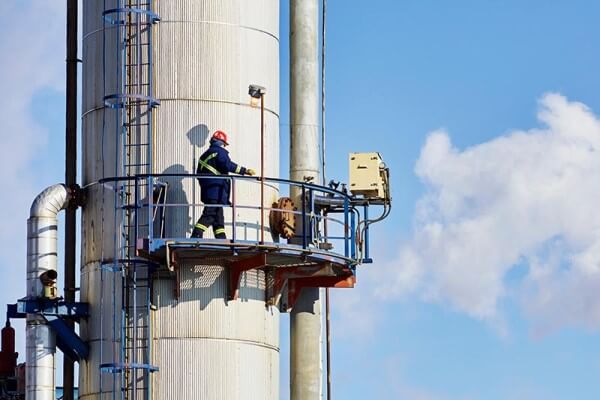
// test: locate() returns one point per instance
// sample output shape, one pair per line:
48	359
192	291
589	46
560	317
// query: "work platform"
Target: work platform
320	245
288	267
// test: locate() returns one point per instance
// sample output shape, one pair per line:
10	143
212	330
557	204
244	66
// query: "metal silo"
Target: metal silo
204	54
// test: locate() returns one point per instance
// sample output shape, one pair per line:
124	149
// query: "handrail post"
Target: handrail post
136	209
150	190
262	168
352	235
233	211
303	216
365	237
311	204
346	247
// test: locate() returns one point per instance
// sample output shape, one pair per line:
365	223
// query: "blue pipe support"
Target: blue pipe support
366	257
50	308
353	235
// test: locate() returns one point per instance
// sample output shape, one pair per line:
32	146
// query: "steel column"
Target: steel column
305	318
70	180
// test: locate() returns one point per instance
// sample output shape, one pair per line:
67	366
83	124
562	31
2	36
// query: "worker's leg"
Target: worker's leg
206	220
219	224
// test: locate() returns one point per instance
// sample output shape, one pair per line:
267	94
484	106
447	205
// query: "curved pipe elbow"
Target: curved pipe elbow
51	201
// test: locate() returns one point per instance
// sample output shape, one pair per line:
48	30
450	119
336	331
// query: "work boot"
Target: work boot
220	233
199	230
197	233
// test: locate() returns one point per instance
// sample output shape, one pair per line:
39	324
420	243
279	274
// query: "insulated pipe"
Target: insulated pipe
42	227
305	318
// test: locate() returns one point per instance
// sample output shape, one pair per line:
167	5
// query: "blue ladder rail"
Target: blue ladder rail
132	104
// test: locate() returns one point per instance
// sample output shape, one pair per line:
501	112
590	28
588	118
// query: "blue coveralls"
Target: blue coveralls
214	162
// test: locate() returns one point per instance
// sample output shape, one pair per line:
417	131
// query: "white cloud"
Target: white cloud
33	53
527	198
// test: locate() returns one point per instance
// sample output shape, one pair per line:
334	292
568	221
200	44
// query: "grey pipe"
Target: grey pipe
305	318
42	230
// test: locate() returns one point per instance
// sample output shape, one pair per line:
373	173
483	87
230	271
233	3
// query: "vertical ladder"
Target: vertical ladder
133	103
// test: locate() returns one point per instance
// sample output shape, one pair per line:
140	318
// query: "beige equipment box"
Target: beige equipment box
368	175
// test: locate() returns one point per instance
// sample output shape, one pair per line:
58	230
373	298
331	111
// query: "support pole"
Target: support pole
305	318
262	169
328	335
70	180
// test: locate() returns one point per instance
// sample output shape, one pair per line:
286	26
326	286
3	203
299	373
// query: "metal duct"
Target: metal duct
42	229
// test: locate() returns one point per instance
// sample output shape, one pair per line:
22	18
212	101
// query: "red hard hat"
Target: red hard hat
220	135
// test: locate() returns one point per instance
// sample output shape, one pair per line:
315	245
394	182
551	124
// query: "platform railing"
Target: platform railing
341	219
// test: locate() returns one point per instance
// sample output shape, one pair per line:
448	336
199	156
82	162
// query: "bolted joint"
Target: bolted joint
77	196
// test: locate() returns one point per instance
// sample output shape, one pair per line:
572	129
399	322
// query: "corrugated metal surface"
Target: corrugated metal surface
206	53
203	312
216	369
101	289
209	348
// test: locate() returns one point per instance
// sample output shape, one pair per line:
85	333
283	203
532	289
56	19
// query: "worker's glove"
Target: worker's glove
250	171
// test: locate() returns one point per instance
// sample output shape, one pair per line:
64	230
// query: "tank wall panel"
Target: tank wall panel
202	310
206	53
216	369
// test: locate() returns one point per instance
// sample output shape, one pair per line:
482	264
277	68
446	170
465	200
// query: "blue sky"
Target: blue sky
486	273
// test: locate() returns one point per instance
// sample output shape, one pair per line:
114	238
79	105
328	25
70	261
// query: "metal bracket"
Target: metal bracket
295	286
116	368
67	340
296	278
78	197
56	313
236	269
49	308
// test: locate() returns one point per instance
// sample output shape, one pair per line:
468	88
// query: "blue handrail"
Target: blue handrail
306	212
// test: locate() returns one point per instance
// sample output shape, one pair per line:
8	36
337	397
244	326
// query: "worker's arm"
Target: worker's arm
225	164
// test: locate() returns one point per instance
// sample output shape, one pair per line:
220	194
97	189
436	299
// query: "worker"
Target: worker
215	191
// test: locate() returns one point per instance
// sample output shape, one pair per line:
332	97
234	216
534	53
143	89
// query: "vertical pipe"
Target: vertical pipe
328	346
305	318
42	255
323	133
365	237
70	179
323	160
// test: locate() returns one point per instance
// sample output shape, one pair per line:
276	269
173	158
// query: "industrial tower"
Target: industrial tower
161	315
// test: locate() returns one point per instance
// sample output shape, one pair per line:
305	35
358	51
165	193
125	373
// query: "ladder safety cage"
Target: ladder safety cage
131	100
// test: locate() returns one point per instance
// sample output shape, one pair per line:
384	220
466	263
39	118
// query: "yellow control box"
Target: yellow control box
367	175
